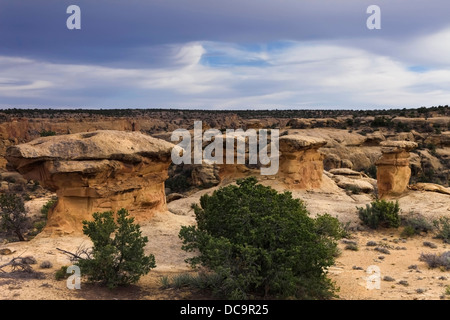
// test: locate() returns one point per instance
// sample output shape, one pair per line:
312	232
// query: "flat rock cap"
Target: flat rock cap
96	145
299	142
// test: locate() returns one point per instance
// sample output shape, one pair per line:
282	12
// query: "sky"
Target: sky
224	54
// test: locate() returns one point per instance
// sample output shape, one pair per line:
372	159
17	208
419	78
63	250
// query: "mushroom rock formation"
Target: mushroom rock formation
95	172
301	163
393	171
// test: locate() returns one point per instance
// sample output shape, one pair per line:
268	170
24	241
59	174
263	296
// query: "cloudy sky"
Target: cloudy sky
224	54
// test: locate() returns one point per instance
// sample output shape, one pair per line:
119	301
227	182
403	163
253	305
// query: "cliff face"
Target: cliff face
94	172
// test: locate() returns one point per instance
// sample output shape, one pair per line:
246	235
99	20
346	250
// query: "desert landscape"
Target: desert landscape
335	161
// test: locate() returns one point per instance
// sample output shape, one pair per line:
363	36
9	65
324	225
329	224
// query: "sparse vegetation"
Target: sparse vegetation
415	224
436	261
443	229
47	133
380	213
46	207
352	247
61	273
46	265
429	244
260	243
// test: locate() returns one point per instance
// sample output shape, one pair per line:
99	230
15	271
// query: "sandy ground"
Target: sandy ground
349	271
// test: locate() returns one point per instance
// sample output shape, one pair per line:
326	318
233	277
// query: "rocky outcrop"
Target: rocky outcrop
430	187
352	180
393	171
94	172
301	163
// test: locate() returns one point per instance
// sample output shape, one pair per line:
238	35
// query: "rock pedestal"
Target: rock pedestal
95	172
393	171
301	163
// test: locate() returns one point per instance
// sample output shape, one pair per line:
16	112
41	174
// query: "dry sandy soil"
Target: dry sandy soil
349	271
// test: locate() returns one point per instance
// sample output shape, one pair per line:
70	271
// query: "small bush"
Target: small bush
429	244
408	231
447	291
443	229
414	224
382	250
62	273
165	282
436	261
119	260
352	247
326	225
46	265
380	212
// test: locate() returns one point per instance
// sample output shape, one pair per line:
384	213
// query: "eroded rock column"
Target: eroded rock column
393	171
95	172
301	163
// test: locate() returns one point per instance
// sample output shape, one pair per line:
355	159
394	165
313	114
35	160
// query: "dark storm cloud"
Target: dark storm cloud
131	32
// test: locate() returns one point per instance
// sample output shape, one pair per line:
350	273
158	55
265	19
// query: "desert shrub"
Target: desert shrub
430	244
326	225
380	212
443	229
352	247
260	242
46	265
447	291
414	224
61	273
118	260
408	231
436	261
13	217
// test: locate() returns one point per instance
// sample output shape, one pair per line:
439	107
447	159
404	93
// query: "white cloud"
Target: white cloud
431	49
292	75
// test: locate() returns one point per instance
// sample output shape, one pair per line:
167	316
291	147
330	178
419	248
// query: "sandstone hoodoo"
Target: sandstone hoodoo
393	171
301	163
96	171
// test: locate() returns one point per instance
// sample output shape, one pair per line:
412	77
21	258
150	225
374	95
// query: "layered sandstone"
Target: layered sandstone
393	171
95	172
301	163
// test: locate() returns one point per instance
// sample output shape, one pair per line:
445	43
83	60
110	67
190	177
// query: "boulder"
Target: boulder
95	172
354	184
393	171
331	161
